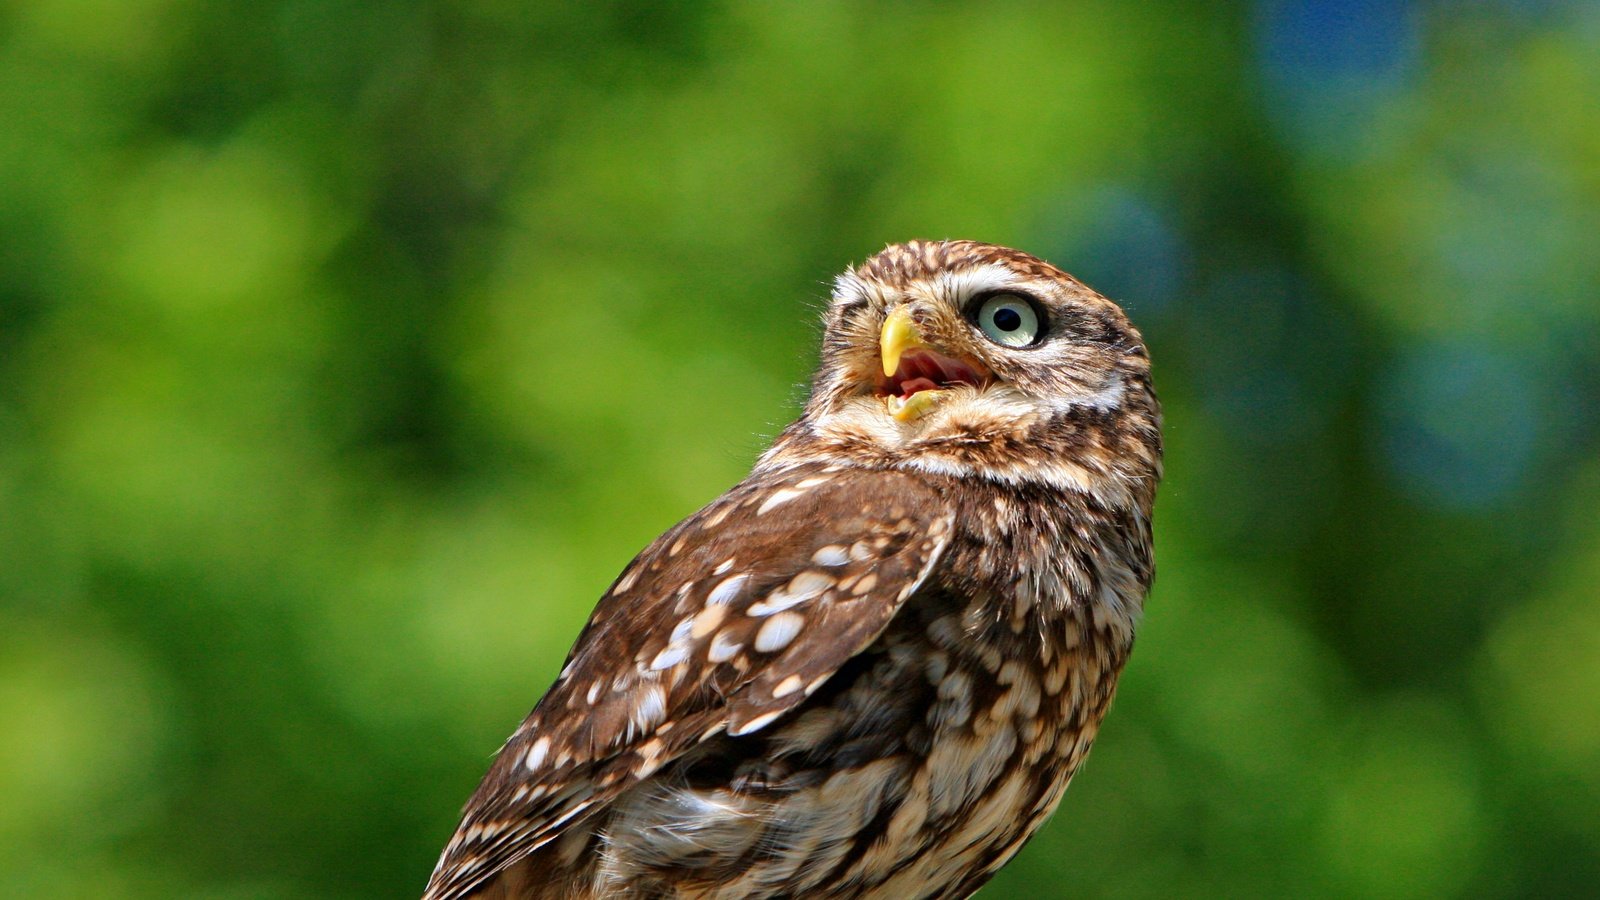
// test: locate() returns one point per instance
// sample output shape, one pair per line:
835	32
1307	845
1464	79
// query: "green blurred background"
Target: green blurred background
347	351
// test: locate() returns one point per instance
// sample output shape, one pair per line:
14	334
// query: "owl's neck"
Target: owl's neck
1106	455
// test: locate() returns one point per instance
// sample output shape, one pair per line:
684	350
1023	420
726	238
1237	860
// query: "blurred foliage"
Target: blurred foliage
347	350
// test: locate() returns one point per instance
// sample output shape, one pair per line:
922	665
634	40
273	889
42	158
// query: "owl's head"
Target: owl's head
973	359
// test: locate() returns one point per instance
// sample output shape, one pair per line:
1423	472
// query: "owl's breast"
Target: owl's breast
987	718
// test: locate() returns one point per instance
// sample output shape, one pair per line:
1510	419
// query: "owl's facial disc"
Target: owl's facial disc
914	373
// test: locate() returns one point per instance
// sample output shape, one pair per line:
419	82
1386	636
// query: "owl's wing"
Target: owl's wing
723	624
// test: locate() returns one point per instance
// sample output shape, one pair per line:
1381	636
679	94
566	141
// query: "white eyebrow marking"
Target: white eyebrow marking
963	283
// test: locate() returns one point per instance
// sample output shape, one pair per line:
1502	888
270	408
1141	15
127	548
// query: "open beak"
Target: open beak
913	372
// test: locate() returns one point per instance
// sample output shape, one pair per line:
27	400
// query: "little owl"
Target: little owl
870	669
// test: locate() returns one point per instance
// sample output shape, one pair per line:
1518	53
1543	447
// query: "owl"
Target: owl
870	669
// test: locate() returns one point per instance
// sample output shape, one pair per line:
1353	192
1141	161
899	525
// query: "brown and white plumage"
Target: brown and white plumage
869	669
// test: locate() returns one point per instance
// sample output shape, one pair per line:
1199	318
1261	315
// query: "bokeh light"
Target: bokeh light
347	351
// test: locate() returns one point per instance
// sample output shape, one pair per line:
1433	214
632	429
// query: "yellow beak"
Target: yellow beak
899	335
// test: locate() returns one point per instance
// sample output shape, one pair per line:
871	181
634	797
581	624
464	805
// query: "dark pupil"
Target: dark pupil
1007	319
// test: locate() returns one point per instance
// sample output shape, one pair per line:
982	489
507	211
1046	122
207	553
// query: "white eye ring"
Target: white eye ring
1009	320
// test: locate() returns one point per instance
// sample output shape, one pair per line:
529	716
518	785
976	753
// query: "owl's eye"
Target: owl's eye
1009	320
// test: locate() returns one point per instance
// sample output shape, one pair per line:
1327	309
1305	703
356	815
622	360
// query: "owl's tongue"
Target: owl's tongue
924	370
912	385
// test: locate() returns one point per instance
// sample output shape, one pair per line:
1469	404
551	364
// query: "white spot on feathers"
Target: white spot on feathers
802	587
681	630
626	581
787	686
649	708
707	620
537	754
778	498
727	590
831	555
724	647
778	631
810	582
666	659
756	724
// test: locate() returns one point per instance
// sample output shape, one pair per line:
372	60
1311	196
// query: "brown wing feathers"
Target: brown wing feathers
725	622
